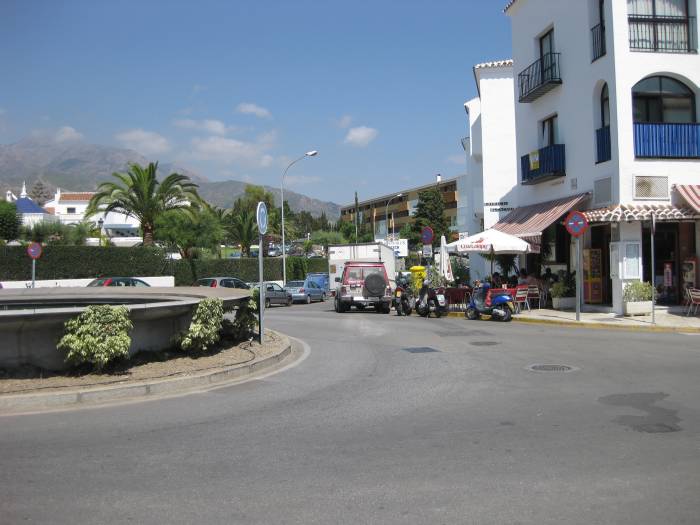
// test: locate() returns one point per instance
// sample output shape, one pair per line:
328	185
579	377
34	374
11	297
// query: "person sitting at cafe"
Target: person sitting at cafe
522	276
496	281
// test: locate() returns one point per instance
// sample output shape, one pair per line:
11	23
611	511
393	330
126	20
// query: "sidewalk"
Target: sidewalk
671	319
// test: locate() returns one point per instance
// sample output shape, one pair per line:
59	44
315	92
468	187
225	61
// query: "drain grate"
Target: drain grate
483	343
420	350
551	368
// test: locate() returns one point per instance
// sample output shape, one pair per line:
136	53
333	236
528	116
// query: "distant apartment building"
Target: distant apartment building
606	120
378	212
487	189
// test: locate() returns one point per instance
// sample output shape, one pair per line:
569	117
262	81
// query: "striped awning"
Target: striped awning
528	222
641	212
691	194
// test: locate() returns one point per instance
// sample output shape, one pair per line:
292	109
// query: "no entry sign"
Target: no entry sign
34	250
576	223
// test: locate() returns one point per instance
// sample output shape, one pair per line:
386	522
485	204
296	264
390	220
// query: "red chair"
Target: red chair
520	298
533	294
693	300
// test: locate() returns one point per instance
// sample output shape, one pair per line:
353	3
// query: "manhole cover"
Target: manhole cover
420	350
483	343
551	368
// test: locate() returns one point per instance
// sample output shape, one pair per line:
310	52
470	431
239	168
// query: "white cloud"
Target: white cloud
361	136
215	127
344	121
248	108
145	142
67	134
456	159
233	151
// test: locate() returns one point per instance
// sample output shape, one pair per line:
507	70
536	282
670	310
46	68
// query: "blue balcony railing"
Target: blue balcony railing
667	141
550	162
602	144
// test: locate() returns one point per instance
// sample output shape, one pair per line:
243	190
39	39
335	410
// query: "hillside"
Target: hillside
80	166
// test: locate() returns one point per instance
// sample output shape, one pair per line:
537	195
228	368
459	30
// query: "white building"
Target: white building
606	121
30	211
487	190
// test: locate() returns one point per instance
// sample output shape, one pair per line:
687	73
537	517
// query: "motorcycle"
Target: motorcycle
432	301
403	299
501	307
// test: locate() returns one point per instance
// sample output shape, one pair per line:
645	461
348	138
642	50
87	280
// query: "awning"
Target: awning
528	222
641	212
691	194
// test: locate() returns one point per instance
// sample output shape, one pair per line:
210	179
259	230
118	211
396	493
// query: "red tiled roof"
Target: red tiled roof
691	194
641	212
77	196
52	211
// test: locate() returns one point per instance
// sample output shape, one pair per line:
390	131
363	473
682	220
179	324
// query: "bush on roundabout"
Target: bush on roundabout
97	336
205	328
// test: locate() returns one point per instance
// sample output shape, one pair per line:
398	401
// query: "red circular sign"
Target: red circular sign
34	250
426	235
576	223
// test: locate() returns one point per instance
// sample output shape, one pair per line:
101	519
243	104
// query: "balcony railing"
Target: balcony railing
667	141
549	163
539	77
598	41
667	34
602	143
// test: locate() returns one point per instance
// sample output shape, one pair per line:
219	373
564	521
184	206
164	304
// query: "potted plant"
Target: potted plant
636	298
563	295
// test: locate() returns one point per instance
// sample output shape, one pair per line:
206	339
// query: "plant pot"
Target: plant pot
564	303
637	308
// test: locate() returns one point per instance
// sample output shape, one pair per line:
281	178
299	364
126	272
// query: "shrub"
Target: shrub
10	221
205	328
98	336
637	291
243	326
565	286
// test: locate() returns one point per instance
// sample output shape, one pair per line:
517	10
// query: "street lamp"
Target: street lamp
284	247
386	215
100	223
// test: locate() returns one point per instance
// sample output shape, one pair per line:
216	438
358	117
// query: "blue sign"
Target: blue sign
426	235
262	218
34	250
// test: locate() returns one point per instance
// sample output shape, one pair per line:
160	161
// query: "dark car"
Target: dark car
275	294
223	282
118	281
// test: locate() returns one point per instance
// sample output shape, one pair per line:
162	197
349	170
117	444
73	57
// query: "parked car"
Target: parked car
274	252
363	284
305	291
117	281
321	279
223	282
275	294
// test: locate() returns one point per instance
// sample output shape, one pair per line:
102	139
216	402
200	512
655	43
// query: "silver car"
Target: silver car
305	291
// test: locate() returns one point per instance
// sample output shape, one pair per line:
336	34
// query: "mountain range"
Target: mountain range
78	166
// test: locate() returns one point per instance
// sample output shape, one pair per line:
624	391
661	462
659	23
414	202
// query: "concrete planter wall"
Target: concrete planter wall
564	303
637	308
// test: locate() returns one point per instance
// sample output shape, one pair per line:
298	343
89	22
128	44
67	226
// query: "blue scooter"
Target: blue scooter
502	306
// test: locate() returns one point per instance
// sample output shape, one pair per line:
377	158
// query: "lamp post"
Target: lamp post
100	223
284	247
386	215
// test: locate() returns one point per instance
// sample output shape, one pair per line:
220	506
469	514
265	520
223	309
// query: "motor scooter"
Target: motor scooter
403	301
501	306
432	301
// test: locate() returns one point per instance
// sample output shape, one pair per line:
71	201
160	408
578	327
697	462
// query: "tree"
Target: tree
325	238
139	194
10	221
243	230
40	193
200	229
430	211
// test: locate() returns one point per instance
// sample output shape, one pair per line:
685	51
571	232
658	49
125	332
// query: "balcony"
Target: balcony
667	141
602	144
539	78
598	40
550	164
668	34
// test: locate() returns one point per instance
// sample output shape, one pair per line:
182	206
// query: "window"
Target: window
70	210
663	100
547	56
657	8
605	106
651	187
661	26
548	132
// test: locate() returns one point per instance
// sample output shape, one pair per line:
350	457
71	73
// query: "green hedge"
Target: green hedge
78	262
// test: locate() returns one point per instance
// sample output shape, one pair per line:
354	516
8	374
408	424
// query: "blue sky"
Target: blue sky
235	89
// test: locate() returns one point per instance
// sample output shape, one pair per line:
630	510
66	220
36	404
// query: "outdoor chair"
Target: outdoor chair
520	298
533	294
694	300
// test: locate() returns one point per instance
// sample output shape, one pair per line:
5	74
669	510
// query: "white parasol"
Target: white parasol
491	242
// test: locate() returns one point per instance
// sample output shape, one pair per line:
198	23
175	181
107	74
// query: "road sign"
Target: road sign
426	235
262	218
576	223
34	250
427	251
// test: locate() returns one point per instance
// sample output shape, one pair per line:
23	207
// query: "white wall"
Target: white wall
166	281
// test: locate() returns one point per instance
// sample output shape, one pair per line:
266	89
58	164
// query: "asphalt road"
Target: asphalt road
366	431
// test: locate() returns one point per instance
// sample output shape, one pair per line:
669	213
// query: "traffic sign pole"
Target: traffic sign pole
578	278
577	224
261	217
33	273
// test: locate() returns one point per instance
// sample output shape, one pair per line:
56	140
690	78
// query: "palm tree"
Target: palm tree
243	229
139	194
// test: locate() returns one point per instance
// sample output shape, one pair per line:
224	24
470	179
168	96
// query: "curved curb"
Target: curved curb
14	404
599	325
